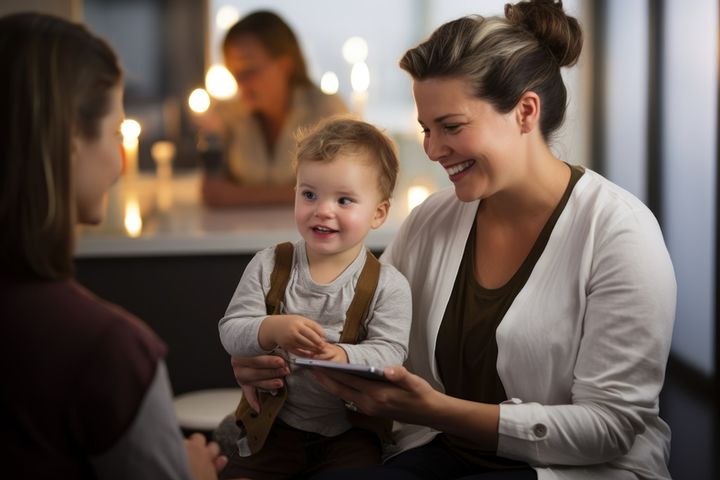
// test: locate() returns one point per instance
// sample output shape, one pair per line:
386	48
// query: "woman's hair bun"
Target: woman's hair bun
547	21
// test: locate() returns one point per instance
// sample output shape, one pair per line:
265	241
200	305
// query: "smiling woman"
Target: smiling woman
543	295
467	138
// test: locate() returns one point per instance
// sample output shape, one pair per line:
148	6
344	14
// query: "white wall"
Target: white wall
689	150
626	92
128	28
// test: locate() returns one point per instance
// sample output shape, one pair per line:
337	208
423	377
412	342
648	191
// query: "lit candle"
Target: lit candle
226	17
199	100
133	219
355	51
163	153
114	209
329	83
220	83
130	130
360	81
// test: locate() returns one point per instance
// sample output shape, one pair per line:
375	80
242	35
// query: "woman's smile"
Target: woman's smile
458	170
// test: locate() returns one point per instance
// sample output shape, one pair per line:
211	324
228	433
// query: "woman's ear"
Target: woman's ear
528	112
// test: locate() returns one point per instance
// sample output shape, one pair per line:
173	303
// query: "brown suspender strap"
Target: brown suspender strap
257	426
279	277
360	305
356	313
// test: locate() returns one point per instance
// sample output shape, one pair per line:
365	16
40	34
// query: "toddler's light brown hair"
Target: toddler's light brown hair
344	135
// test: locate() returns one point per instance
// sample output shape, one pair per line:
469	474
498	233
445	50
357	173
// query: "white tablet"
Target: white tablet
366	371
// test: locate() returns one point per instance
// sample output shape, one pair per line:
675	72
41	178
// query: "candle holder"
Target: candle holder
163	153
360	81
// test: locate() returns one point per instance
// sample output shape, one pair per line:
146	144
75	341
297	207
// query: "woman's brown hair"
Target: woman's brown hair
56	83
275	36
503	58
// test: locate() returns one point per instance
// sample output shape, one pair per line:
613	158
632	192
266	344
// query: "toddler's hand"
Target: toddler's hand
294	333
332	353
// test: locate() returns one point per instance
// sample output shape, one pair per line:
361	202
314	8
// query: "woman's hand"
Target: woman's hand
263	371
204	458
410	399
407	397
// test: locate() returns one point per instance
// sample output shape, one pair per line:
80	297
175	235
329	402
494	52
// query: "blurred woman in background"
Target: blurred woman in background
256	129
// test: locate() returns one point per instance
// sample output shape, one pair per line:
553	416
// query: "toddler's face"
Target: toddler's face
337	203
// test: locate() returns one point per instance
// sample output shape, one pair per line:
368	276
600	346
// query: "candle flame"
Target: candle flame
360	77
226	17
133	220
220	83
355	50
329	83
199	100
130	129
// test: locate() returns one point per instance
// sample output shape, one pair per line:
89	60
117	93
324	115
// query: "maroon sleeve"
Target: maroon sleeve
114	378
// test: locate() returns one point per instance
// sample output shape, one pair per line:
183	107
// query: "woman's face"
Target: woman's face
96	163
474	143
262	80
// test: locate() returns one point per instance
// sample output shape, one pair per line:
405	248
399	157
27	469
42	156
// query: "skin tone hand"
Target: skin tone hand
333	353
330	352
204	458
267	371
294	333
262	371
409	398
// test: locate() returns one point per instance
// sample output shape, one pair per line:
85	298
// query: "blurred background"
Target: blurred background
643	112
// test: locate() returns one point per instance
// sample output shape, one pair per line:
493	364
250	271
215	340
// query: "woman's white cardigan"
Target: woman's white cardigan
582	349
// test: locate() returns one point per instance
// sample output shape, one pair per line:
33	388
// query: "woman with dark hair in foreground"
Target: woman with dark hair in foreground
85	391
